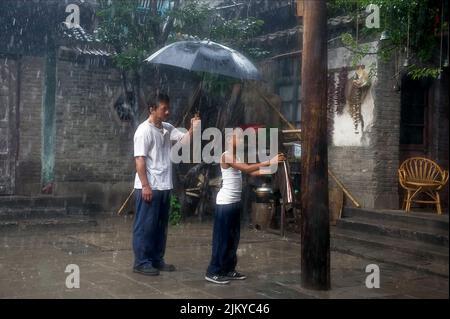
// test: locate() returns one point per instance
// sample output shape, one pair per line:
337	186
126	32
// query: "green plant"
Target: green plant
135	31
419	73
412	24
175	211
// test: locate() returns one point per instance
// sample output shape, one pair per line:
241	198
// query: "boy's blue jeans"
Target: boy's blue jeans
150	228
226	235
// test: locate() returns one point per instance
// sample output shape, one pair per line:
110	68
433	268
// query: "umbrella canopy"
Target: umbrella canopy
206	56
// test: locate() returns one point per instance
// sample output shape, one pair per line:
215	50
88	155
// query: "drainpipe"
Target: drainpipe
48	118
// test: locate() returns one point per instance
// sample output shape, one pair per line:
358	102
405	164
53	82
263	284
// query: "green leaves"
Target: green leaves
237	33
135	32
130	29
175	211
193	19
396	17
417	73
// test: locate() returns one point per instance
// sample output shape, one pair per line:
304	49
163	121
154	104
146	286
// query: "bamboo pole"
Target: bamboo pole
125	203
344	189
273	107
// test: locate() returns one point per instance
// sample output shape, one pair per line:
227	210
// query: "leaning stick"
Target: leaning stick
345	190
269	103
125	203
296	130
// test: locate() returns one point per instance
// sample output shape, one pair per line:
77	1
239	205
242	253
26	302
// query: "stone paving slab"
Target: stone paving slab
32	266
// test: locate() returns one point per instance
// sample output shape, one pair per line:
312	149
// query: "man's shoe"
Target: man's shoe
216	279
166	267
146	270
234	275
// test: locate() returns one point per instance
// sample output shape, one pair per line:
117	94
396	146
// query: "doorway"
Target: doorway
415	123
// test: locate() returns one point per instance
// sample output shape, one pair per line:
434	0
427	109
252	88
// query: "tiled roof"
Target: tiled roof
80	42
77	33
332	22
280	34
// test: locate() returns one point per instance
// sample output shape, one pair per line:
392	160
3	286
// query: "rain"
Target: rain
92	92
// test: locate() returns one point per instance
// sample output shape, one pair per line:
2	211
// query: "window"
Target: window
413	125
123	107
291	102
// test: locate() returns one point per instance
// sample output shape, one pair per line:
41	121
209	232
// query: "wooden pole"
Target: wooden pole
315	221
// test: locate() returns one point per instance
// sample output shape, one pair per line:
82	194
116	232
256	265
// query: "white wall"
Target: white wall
344	133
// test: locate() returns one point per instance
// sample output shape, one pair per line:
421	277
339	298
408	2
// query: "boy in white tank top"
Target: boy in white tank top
226	233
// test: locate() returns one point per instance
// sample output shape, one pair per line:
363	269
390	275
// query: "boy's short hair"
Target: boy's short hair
156	100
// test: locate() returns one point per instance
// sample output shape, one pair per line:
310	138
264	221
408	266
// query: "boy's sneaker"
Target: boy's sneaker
234	275
216	279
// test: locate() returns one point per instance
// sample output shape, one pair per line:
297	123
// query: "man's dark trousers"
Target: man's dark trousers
150	228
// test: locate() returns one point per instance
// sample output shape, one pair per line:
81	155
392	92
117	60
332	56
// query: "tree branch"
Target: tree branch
168	26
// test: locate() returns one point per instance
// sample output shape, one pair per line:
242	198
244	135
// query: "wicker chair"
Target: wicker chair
418	175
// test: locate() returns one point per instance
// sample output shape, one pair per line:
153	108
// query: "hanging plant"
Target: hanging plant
331	108
340	96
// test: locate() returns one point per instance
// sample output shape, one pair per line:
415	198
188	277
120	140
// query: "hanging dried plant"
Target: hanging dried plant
331	105
331	92
355	107
340	90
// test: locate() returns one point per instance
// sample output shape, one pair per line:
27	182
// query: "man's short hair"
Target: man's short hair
157	99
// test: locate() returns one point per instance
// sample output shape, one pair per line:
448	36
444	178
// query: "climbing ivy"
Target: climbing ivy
423	18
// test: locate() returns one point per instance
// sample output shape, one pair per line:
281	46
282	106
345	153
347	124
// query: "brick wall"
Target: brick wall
354	167
439	131
93	147
386	137
28	165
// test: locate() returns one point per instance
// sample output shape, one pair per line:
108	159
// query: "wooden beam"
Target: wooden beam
315	221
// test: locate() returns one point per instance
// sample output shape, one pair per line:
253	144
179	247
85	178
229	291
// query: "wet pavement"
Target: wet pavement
33	264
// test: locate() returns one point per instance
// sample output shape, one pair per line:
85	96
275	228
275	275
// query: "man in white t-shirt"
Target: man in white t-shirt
153	140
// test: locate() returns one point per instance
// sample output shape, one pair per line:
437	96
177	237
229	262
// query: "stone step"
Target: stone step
429	220
31	212
73	204
58	223
390	255
433	253
396	229
40	212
